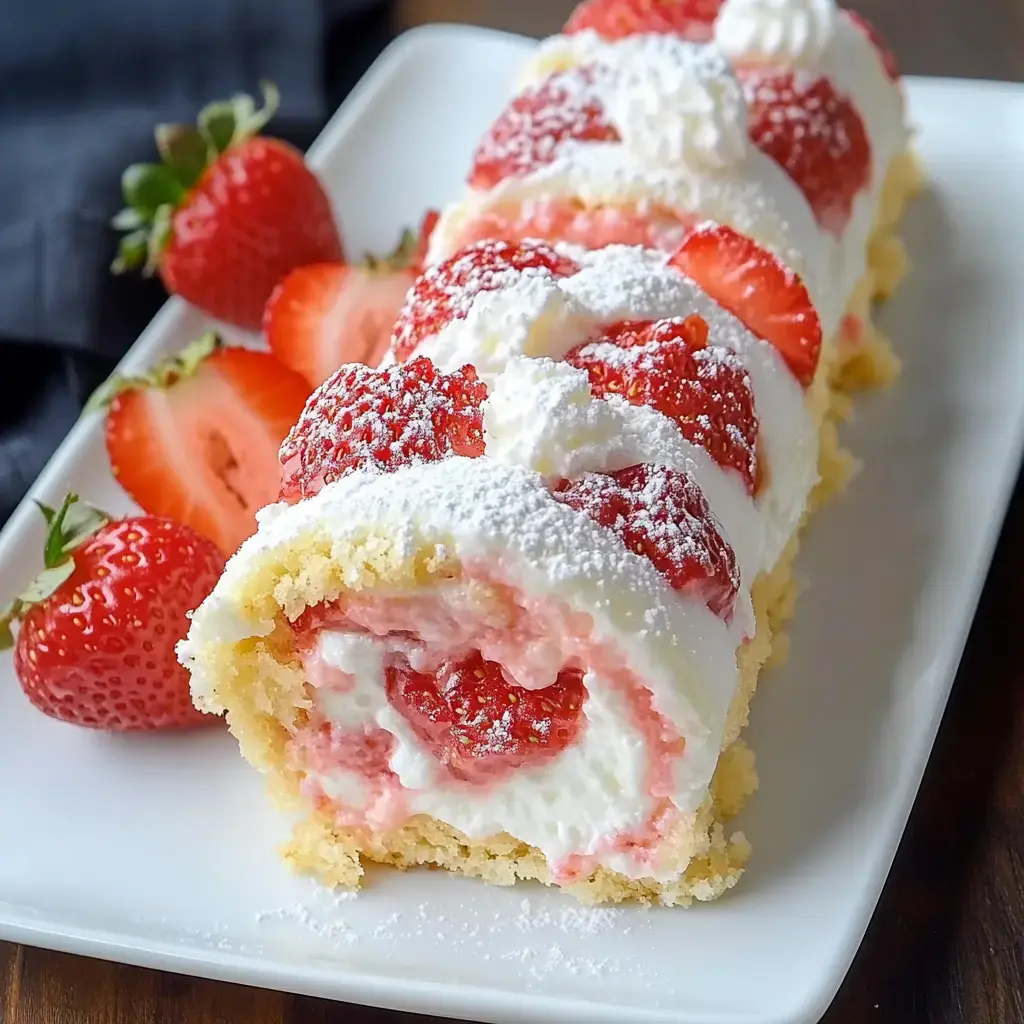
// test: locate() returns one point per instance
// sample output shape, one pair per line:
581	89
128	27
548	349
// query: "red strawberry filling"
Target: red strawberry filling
815	134
531	131
446	291
381	420
592	227
662	515
669	366
480	724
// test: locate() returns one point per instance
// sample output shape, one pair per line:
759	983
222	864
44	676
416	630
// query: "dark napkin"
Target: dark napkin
82	86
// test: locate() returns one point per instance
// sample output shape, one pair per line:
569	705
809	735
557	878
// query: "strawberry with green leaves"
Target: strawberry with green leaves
97	628
227	213
196	439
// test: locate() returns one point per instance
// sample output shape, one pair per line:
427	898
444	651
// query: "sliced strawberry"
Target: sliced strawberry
564	107
617	19
379	421
755	286
877	40
662	515
445	292
668	365
196	440
479	724
815	135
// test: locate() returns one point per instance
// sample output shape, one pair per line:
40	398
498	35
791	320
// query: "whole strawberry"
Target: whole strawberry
98	626
226	214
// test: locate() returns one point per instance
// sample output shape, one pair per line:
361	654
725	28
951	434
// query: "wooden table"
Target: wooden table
946	945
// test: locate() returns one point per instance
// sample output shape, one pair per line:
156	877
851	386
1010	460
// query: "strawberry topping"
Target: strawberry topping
892	67
479	724
381	420
618	19
815	134
537	123
446	291
757	288
668	365
662	515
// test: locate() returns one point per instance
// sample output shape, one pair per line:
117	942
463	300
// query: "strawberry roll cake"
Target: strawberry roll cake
509	614
628	128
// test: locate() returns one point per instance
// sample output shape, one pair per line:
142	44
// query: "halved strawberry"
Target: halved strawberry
617	19
445	292
757	288
662	515
380	420
529	133
815	134
481	725
196	439
226	214
669	366
892	66
327	314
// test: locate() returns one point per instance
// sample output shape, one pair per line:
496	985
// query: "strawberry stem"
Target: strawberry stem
164	374
66	529
152	192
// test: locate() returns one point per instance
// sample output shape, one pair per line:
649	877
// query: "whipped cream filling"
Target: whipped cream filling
673	102
570	805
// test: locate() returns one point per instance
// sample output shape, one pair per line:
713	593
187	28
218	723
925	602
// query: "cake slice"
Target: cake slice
511	609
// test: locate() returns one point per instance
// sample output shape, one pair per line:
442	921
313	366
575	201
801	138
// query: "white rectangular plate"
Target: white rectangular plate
160	850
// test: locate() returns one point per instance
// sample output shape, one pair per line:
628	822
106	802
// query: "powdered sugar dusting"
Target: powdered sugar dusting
539	121
663	515
376	420
816	134
448	291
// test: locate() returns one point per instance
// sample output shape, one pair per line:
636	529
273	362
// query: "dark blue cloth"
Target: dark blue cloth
82	85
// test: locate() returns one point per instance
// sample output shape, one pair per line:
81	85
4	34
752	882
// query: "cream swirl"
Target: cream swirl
676	103
784	33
